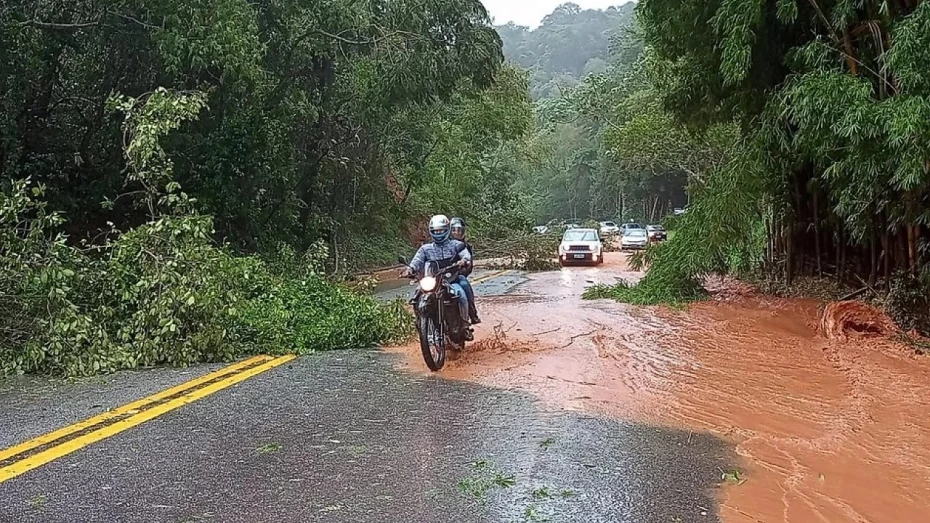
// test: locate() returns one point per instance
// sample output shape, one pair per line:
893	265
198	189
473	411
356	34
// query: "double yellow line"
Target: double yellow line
36	452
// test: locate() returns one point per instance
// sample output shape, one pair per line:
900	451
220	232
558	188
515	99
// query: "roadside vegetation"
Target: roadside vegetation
186	181
802	129
190	181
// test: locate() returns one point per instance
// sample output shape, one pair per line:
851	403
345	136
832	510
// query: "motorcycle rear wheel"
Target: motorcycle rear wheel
432	344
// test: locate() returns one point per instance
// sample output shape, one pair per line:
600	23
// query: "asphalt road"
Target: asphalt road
346	437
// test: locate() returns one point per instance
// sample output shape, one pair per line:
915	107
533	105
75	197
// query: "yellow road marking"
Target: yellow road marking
487	277
136	416
72	445
125	409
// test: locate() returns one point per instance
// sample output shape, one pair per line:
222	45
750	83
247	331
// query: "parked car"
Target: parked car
541	229
581	246
570	226
634	239
656	233
609	229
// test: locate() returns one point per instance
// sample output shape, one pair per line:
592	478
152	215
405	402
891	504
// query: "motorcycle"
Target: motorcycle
439	320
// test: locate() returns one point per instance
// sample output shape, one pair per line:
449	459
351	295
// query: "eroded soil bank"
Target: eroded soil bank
829	429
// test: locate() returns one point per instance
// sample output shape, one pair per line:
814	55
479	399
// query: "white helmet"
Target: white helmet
439	228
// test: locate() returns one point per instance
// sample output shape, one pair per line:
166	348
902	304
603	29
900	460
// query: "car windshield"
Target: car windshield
655	228
634	226
580	235
636	232
609	224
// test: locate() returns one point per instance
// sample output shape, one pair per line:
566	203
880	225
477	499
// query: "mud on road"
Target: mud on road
828	429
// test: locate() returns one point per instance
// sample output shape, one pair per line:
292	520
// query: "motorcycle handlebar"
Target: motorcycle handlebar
452	270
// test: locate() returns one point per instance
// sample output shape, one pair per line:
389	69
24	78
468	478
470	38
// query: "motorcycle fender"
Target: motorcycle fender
425	302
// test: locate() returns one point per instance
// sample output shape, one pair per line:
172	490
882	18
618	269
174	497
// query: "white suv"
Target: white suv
581	246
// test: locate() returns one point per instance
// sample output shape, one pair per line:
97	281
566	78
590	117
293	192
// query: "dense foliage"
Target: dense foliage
570	44
830	172
603	147
161	292
181	179
325	120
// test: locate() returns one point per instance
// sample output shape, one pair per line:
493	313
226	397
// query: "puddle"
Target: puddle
830	429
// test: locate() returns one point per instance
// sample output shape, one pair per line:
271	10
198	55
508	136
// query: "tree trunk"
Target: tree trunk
901	246
840	252
789	262
850	53
778	230
873	248
769	245
817	235
886	252
912	248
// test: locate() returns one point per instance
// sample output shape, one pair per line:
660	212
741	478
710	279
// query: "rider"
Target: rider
444	250
458	233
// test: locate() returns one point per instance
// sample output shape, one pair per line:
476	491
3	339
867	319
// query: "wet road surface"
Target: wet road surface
736	409
354	436
827	429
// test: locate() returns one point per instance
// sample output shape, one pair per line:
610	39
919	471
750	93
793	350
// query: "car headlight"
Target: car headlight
563	248
428	283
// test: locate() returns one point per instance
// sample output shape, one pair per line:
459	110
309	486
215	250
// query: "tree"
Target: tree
831	102
313	108
569	44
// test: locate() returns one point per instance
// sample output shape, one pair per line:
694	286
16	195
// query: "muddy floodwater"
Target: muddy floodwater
833	430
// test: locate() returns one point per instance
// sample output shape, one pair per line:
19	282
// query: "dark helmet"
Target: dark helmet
458	228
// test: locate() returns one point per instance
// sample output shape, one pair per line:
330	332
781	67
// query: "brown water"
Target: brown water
829	430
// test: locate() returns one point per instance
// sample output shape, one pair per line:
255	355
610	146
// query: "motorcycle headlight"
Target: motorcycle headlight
428	283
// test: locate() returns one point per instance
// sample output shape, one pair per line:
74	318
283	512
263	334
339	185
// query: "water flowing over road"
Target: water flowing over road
733	410
827	430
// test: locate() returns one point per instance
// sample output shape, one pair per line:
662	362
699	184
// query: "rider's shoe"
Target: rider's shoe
469	335
473	315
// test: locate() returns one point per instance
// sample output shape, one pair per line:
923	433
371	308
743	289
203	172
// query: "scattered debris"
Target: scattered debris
268	448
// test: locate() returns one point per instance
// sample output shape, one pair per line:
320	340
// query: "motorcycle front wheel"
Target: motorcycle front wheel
432	343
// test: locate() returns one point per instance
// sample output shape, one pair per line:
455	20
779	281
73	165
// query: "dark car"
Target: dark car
656	233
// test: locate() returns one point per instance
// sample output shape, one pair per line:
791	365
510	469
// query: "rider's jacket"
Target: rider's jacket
446	253
471	251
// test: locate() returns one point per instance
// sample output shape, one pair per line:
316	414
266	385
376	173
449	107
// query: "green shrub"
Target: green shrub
649	292
908	302
722	232
163	293
314	314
